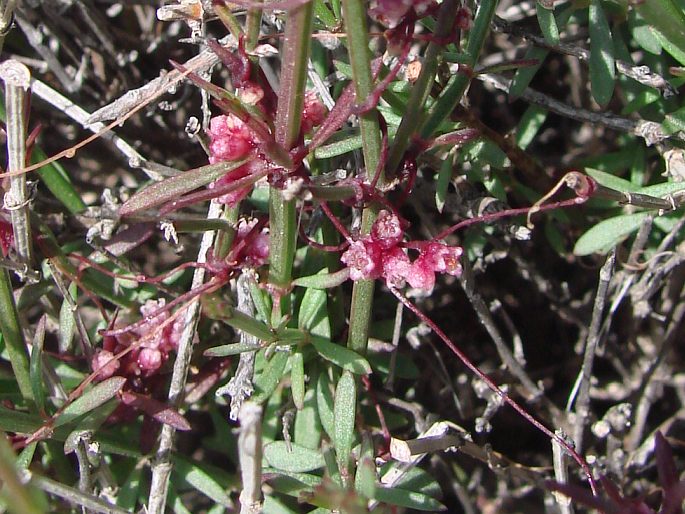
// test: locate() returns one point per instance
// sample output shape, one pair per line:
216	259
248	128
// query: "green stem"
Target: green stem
360	60
253	24
452	94
224	238
12	335
422	87
282	221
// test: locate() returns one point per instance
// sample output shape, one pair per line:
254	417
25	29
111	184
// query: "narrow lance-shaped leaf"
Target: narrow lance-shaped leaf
323	280
36	365
410	499
344	414
341	356
292	457
324	403
201	480
547	22
602	63
90	400
173	187
603	236
297	379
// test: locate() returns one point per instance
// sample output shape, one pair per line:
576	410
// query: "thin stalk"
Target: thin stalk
17	80
282	219
452	94
253	24
224	238
162	465
422	87
360	59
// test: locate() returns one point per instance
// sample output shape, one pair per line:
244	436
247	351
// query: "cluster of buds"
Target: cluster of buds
230	139
146	359
391	12
382	254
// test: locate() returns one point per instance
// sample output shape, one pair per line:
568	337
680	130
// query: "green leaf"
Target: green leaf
662	190
273	506
408	499
339	144
67	322
261	300
524	75
365	479
530	124
202	480
297	378
324	403
341	356
674	121
172	188
642	33
344	412
602	64
36	365
548	24
608	233
323	13
130	490
16	421
292	457
667	19
612	181
268	380
91	400
323	280
312	308
307	430
230	349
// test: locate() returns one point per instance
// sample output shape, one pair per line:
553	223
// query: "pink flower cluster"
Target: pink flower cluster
230	139
380	255
251	245
146	359
391	12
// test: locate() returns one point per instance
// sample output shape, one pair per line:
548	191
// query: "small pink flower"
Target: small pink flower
396	267
442	258
103	359
389	12
314	111
421	274
256	252
387	229
149	360
230	138
364	260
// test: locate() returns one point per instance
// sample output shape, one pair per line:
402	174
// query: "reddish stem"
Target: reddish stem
495	389
508	213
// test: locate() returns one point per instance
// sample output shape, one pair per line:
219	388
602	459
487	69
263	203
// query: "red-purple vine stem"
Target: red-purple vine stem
494	388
